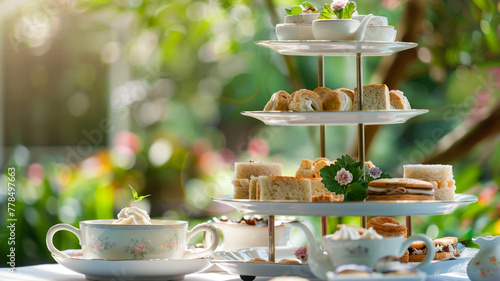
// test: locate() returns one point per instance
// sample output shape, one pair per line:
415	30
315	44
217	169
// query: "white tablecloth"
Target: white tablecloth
56	272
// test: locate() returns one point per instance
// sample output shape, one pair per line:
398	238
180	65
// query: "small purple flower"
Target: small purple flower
375	172
343	177
338	4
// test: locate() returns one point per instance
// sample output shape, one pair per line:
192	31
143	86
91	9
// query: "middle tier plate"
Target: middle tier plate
369	208
293	118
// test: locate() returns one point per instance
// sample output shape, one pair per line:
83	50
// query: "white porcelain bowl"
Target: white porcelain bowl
380	33
375	21
302	18
294	31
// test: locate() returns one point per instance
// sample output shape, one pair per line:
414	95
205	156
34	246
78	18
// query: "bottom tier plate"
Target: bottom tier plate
236	262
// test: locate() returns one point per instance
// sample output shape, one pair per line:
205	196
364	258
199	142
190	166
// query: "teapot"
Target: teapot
340	29
365	252
485	265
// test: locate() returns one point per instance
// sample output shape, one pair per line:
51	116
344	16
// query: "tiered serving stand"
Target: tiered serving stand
319	49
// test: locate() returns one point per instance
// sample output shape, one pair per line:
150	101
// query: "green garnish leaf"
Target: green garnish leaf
355	192
296	10
137	198
309	5
288	11
324	16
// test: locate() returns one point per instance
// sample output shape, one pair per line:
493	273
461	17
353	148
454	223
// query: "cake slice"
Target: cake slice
375	97
284	188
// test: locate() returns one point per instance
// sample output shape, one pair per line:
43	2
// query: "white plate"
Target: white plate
95	269
453	265
291	118
377	277
233	262
335	48
369	208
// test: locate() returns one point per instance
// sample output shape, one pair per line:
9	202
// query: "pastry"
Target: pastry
332	197
441	176
288	261
301	254
445	248
279	102
305	169
337	101
398	100
284	188
257	260
400	189
375	97
305	100
387	225
349	92
353	270
322	92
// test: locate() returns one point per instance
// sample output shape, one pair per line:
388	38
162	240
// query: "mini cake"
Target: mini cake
305	100
375	97
243	174
279	102
400	189
284	188
441	176
398	100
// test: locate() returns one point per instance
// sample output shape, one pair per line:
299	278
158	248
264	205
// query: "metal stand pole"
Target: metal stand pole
361	127
322	145
272	240
409	226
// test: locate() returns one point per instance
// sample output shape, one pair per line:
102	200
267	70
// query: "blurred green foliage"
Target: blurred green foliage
199	67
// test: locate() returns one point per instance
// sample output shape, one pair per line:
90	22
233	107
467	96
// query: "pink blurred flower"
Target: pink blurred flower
344	177
487	194
35	173
128	140
258	148
338	4
391	4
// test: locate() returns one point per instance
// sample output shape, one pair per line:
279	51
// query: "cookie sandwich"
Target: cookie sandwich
400	189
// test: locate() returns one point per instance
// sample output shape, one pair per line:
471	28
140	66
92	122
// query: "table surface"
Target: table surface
56	272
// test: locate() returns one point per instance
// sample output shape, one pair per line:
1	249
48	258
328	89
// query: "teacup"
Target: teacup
255	236
380	33
294	31
163	239
375	21
368	252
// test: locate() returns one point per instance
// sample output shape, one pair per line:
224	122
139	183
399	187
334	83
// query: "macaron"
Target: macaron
400	189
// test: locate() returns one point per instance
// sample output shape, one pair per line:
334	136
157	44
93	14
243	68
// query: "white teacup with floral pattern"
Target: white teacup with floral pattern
163	239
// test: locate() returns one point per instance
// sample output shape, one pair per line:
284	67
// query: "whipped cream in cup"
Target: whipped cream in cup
370	234
133	215
345	233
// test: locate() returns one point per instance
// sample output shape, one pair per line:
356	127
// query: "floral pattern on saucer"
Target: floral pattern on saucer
100	245
139	249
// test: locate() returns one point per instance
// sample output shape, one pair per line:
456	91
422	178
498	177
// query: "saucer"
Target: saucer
97	269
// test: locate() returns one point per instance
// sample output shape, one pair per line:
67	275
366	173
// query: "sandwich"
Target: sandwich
445	247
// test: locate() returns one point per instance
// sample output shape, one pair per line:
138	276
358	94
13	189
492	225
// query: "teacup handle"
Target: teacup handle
428	243
56	228
199	228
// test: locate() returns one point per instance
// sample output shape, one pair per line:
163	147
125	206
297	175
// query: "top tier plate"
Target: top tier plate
335	48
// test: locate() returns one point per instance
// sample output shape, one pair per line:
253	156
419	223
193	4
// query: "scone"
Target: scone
322	92
279	102
305	100
337	101
398	100
400	189
441	176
